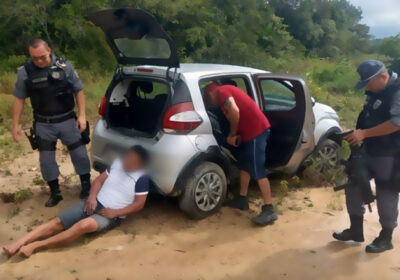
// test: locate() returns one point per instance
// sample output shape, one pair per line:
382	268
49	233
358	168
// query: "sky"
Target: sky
382	16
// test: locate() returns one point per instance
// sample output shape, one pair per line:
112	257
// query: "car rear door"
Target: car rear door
286	102
135	37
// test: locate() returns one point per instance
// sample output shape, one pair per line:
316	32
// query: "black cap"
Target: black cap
367	70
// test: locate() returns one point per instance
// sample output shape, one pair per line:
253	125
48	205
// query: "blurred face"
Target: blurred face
378	83
132	162
41	56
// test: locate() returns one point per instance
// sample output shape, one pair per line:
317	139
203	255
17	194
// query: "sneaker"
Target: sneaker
267	216
239	202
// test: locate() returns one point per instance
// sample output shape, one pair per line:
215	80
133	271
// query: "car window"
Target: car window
153	91
278	95
234	81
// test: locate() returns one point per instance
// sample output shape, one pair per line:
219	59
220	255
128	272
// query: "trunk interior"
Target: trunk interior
137	106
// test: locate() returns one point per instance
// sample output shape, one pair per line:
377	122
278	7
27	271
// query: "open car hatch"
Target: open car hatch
136	37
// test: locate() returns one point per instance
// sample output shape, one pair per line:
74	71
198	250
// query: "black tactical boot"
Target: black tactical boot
239	202
85	183
354	233
382	243
267	216
55	194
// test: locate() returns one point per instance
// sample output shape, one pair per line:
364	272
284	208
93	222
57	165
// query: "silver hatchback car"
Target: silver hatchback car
160	106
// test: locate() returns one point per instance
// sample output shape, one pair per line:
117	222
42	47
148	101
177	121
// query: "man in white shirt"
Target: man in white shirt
119	191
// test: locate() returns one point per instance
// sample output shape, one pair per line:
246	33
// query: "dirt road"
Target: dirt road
161	243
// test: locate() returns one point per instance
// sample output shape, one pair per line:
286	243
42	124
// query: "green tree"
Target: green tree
391	48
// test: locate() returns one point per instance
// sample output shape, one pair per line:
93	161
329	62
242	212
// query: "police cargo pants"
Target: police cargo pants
387	198
69	134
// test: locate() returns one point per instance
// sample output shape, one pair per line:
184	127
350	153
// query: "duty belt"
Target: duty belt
43	119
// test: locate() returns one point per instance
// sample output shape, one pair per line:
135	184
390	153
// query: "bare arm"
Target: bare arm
232	114
80	101
136	206
91	202
97	184
18	107
382	129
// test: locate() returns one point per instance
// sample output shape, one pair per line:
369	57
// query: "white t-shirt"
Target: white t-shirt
120	188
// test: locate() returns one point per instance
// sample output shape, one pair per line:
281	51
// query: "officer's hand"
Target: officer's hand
90	206
81	123
356	137
108	213
16	132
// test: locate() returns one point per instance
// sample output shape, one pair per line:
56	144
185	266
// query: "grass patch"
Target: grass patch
21	195
16	197
38	181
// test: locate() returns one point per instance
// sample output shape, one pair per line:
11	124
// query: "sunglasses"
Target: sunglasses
40	58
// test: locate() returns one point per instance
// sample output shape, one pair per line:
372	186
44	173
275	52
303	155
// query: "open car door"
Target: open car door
286	102
136	37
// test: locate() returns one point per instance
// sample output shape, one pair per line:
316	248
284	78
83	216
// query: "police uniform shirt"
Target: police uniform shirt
395	105
20	90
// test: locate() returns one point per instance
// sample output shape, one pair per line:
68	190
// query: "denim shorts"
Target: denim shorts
251	156
75	213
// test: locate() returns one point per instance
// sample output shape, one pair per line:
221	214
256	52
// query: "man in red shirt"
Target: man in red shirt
249	130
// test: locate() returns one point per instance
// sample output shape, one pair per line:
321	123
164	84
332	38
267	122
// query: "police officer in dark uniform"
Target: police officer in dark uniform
378	129
52	85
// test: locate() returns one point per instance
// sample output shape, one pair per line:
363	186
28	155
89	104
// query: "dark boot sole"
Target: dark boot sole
270	222
370	250
53	203
338	237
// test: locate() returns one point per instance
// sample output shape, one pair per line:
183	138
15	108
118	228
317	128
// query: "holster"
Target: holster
33	140
86	134
85	139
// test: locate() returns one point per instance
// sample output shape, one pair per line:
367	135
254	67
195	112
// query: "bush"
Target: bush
7	82
336	77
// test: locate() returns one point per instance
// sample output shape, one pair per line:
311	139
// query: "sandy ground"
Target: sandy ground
161	243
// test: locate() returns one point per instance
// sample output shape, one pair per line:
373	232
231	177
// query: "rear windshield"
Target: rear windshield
146	47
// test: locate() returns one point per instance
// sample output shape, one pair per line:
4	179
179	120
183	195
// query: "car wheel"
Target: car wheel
204	191
327	156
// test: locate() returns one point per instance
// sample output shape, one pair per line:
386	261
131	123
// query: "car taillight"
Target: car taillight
102	106
181	118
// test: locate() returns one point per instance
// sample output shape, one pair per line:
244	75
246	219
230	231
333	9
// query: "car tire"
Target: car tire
327	155
204	191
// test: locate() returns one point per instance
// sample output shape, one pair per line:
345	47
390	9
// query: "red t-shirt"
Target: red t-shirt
252	121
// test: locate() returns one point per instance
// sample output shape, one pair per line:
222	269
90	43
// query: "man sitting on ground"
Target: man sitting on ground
119	191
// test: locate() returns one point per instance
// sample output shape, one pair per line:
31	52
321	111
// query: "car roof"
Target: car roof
194	70
211	68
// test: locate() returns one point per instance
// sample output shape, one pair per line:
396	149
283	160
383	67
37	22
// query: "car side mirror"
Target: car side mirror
313	101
